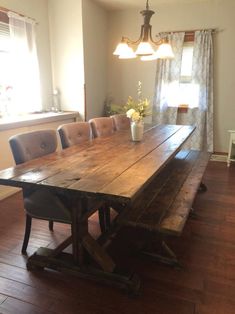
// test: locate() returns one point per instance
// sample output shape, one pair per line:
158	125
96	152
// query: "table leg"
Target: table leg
79	228
76	263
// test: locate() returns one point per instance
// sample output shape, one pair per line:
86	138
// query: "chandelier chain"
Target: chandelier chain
147	5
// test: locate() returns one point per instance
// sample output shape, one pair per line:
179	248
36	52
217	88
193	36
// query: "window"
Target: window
19	75
183	92
5	80
188	91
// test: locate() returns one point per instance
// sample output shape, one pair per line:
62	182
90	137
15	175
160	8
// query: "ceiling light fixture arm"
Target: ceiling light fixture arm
146	29
145	41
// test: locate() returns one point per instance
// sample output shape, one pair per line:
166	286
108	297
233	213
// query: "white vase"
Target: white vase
137	130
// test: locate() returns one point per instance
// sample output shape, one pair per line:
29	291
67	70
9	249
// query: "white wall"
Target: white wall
65	18
37	10
95	37
123	75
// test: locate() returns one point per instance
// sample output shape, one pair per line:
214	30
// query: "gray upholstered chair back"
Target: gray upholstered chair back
74	133
31	145
121	122
103	126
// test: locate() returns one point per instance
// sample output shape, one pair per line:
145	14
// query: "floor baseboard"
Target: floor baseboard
219	157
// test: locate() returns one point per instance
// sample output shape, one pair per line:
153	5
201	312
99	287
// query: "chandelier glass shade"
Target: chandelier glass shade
145	46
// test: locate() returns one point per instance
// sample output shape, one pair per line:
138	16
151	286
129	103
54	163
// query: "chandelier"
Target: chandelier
145	43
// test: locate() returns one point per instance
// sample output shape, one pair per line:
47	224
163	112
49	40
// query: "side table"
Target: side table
231	149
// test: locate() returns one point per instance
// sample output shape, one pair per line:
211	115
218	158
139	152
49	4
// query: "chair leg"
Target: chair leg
51	225
26	234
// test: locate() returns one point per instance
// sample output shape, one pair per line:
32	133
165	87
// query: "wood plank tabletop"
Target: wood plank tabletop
113	168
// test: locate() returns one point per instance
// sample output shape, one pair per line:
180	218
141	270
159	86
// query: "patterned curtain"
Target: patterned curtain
202	75
167	83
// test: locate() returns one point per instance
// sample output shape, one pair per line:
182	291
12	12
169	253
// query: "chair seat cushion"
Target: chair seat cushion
45	205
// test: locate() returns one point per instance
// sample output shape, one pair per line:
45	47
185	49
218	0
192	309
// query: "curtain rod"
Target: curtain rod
4	10
213	30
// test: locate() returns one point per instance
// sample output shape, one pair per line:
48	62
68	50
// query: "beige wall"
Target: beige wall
79	54
37	10
123	76
65	18
95	33
66	42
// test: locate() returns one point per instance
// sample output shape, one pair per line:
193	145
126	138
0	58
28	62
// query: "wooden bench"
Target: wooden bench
165	204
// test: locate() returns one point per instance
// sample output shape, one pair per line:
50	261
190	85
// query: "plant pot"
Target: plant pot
137	131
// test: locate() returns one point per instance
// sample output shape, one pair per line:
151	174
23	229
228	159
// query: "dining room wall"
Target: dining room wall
38	10
78	37
123	75
66	42
95	33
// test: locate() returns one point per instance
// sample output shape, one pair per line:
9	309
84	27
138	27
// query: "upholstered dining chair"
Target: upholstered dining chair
102	126
75	133
40	204
121	122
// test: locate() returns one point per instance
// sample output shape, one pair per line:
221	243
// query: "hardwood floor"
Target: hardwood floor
206	284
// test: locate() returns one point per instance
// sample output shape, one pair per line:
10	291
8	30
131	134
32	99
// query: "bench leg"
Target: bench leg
202	188
167	257
193	214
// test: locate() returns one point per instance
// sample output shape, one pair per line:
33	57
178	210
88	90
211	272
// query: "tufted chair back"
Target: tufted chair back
121	122
74	133
40	204
103	126
31	145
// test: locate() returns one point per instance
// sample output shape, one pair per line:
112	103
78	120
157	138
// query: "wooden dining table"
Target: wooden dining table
113	169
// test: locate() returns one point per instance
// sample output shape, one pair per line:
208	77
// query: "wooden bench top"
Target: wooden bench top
165	204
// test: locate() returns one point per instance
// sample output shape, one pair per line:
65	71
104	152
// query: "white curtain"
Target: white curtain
202	75
26	94
167	83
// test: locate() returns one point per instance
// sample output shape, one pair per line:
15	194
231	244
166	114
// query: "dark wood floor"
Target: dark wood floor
206	284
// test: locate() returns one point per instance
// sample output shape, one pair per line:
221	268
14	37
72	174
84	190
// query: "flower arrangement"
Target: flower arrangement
137	110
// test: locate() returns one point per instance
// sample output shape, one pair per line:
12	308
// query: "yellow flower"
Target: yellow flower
136	116
137	109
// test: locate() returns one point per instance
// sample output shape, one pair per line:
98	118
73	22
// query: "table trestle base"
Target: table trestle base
44	258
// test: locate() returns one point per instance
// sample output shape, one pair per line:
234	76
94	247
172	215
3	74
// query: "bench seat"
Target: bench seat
166	202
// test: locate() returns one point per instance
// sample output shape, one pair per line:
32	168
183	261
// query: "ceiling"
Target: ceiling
124	4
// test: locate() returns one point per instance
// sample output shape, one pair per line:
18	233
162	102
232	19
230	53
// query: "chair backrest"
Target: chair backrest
103	126
74	133
31	145
121	122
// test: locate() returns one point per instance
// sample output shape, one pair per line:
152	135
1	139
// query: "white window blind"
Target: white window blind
188	92
187	61
4	37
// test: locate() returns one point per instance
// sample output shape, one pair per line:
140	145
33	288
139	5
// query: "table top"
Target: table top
112	168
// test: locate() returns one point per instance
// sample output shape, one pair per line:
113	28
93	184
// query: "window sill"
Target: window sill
7	123
182	109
